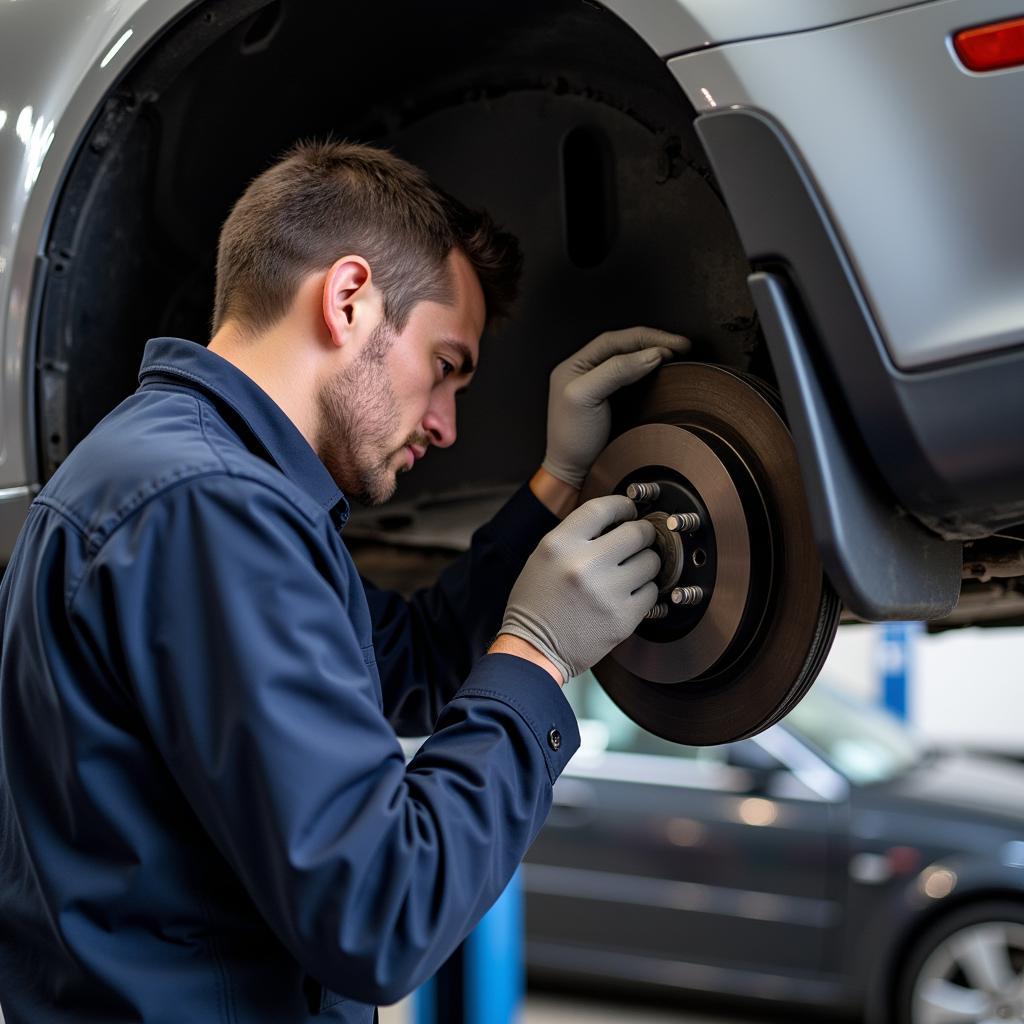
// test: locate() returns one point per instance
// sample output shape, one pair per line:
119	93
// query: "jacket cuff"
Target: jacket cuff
531	692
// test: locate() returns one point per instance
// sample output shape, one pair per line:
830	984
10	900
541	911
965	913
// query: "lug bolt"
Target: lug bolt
683	522
643	492
687	595
659	611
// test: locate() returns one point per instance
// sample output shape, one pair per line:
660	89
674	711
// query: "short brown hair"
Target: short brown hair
324	200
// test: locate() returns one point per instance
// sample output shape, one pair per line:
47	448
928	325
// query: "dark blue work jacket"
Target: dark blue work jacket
205	812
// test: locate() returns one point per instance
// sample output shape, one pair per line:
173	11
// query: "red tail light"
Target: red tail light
990	47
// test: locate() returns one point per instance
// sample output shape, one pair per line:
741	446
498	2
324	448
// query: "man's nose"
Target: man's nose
439	422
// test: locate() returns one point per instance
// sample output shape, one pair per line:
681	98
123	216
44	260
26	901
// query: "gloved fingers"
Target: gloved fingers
594	386
626	540
593	517
644	599
640	569
631	339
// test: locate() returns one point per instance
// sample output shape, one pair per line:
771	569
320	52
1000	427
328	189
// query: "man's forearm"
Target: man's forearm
506	643
439	632
555	495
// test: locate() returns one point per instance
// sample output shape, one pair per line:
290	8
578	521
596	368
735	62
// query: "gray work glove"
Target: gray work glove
581	594
579	418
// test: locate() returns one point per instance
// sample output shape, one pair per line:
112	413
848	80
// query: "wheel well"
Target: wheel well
520	114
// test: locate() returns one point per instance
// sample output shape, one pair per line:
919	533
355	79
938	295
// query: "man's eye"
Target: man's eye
446	367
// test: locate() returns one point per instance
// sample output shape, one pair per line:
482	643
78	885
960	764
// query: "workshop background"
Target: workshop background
955	692
959	689
826	198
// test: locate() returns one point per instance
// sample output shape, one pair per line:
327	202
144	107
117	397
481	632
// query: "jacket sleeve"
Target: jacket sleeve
226	606
426	645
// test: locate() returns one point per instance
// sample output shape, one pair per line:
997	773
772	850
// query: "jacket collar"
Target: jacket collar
187	364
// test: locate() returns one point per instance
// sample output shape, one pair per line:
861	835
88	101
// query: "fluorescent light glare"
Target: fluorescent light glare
23	127
112	52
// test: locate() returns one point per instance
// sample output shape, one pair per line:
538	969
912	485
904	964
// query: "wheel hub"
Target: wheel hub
690	639
669	546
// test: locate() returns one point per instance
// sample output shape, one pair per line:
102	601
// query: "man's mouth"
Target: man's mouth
412	455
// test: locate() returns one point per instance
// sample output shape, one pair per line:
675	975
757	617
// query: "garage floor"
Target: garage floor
549	1009
555	1009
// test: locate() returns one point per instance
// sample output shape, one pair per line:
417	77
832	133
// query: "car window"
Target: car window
603	727
865	743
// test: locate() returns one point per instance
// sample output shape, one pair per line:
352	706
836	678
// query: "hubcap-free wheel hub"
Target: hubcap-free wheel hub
745	615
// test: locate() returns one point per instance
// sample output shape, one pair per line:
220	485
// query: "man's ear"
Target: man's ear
346	291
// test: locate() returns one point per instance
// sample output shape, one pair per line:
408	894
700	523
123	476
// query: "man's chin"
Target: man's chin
381	491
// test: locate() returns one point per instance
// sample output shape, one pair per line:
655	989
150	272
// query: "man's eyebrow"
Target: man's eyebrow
468	366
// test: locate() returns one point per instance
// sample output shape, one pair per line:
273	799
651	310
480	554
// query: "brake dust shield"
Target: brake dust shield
746	615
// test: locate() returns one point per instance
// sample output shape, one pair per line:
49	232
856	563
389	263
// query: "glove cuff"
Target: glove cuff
514	628
568	476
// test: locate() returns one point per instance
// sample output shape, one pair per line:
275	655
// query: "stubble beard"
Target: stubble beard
358	417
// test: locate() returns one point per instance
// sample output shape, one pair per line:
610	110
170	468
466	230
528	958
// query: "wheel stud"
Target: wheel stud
687	595
683	522
659	611
643	492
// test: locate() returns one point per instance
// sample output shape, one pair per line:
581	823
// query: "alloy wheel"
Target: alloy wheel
975	974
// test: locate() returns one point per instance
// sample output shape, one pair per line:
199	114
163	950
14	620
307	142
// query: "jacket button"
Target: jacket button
554	739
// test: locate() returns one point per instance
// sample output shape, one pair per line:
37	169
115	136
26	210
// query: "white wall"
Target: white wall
966	686
851	664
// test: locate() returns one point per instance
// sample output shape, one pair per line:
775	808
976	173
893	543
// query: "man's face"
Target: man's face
383	411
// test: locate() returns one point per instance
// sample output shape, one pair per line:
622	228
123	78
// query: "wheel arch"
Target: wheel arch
674	259
886	973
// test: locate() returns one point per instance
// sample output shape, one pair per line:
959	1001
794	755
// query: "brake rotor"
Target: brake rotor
746	615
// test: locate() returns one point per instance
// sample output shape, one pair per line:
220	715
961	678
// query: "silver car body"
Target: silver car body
940	261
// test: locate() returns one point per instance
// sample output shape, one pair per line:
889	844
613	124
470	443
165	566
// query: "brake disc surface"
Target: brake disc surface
746	615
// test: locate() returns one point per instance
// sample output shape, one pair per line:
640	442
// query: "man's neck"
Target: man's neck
277	365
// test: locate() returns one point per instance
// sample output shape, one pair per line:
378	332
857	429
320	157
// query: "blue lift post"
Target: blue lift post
896	660
482	981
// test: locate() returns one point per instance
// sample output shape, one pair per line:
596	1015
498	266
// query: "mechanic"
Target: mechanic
205	812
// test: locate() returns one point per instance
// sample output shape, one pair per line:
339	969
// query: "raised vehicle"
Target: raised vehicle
823	194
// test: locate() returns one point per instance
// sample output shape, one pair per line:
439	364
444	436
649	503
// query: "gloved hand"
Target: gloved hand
580	593
579	418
